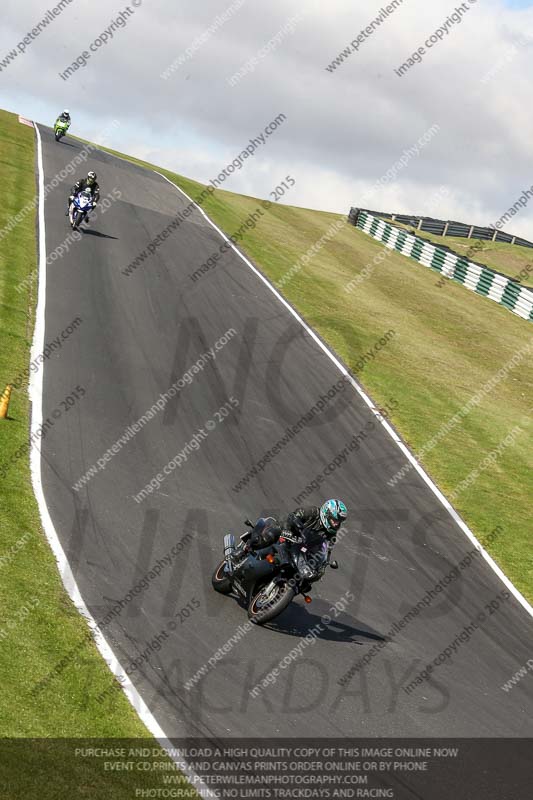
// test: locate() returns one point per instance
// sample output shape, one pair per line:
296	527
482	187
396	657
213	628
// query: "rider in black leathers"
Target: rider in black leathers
317	523
312	526
89	182
307	527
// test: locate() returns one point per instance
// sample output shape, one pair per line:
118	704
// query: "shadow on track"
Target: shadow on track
298	621
96	233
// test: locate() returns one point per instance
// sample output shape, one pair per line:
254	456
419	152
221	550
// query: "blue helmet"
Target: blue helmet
332	515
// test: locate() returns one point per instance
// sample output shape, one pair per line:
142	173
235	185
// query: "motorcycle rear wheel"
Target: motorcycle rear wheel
220	582
260	613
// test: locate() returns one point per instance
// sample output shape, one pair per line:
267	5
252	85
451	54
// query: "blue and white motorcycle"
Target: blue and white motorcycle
80	207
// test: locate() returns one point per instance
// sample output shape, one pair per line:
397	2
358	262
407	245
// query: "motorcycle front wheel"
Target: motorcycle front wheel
77	219
264	606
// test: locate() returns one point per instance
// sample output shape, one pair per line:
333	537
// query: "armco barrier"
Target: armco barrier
441	227
474	276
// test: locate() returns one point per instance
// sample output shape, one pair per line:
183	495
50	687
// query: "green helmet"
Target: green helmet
332	515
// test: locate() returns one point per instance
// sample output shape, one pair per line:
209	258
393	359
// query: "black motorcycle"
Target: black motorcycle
269	567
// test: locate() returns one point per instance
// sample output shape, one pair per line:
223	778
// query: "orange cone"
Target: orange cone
4	402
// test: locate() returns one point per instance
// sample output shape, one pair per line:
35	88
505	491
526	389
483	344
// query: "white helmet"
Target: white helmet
66	113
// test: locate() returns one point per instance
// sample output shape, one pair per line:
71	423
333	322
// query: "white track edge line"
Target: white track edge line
405	450
69	582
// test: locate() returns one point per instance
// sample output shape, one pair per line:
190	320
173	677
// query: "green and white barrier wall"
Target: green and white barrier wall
474	276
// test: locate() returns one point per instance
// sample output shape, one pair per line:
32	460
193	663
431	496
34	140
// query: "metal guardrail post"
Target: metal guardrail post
459	229
477	277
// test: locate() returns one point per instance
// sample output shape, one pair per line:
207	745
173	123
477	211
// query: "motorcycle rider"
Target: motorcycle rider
312	526
89	182
63	118
307	527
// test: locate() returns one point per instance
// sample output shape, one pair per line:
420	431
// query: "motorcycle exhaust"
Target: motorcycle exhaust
229	550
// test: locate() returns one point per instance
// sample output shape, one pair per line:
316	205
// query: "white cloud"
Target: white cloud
344	129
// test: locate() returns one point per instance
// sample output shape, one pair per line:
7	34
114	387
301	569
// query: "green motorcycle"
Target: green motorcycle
60	129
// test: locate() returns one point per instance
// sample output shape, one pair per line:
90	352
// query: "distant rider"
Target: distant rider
64	118
89	182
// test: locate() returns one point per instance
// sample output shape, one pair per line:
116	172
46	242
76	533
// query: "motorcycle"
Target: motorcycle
80	208
60	130
268	577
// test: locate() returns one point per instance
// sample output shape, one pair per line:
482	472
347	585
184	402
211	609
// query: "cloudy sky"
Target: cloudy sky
346	129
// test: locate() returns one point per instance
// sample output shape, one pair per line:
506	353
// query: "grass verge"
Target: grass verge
510	259
448	344
38	623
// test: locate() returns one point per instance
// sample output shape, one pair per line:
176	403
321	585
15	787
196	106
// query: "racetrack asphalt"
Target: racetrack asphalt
138	334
